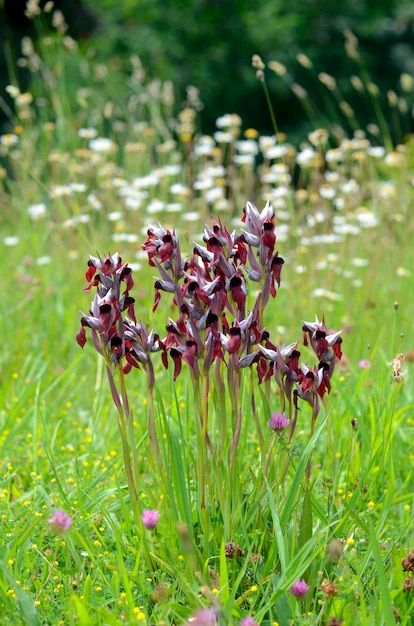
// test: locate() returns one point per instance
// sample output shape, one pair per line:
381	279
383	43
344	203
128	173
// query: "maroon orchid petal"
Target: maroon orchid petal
218	300
268	235
129	305
238	292
212	322
117	347
319	343
233	343
157	298
126	275
240	251
151	249
267	242
307	382
107	266
91	271
336	347
194	290
132	361
225	324
166	250
176	357
105	317
214	246
81	337
293	361
189	354
95	283
276	269
325	384
209	352
262	367
164	359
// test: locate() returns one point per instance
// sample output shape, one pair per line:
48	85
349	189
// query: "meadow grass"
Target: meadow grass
86	173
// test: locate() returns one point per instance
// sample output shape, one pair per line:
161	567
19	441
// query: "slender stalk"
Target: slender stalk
255	416
270	107
126	453
314	416
152	432
201	456
129	426
237	411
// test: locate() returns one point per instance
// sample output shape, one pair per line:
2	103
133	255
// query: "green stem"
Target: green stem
255	416
201	456
126	453
270	107
152	433
237	412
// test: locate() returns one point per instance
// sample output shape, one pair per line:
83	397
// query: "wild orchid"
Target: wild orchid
218	332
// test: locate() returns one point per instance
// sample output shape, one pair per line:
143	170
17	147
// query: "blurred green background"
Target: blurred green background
209	44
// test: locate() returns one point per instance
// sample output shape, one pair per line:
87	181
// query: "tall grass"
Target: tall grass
333	506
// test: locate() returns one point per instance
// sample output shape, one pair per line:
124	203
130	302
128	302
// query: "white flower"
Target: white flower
305	158
114	216
173	207
9	139
223	137
87	133
192	216
243	159
94	202
247	146
101	144
179	189
11	240
367	219
275	152
13	91
376	151
351	186
43	260
155	206
78	187
171	170
37	211
213	194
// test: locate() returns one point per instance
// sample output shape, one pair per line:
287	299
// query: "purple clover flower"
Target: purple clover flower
278	422
299	589
248	621
60	521
364	364
150	518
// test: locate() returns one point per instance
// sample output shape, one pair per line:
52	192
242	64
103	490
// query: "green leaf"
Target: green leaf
26	607
305	527
387	611
295	487
82	613
224	577
280	540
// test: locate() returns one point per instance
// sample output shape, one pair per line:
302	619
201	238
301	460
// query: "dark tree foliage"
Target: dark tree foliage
209	44
14	25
